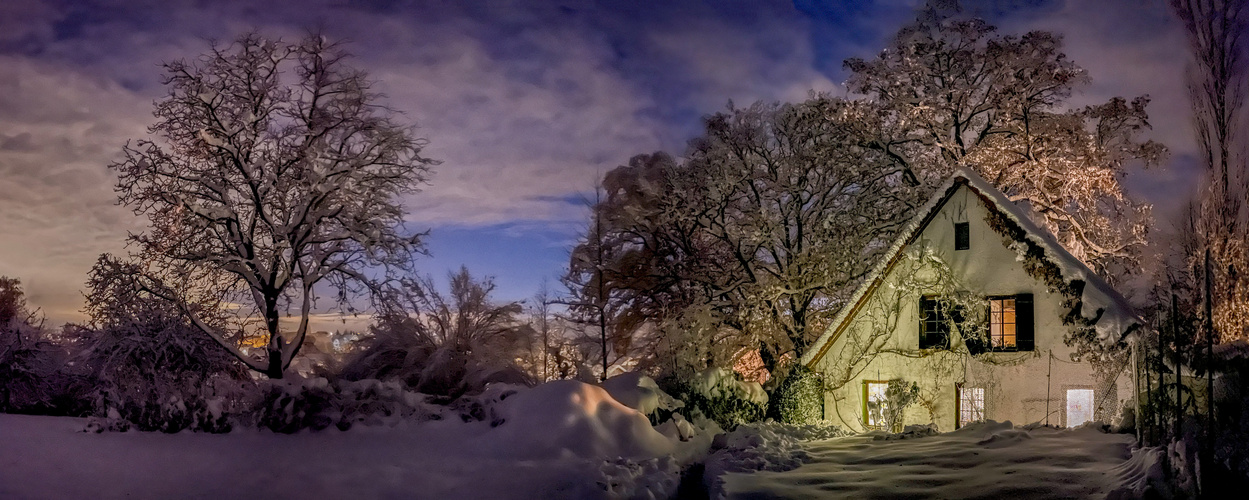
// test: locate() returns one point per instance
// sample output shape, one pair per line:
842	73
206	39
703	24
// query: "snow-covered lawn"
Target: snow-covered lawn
564	440
48	457
988	460
558	440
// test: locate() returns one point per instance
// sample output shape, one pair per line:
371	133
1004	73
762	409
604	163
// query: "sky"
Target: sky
525	103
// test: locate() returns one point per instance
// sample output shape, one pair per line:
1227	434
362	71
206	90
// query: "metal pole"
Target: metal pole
1048	372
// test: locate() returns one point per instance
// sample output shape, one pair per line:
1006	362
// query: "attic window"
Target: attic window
962	236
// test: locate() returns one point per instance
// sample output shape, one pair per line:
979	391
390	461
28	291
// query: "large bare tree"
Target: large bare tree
955	92
273	165
773	213
1217	88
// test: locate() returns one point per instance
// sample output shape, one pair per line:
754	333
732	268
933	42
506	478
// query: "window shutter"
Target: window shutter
1025	323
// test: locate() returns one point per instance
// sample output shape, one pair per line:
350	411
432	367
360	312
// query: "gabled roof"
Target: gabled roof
1113	315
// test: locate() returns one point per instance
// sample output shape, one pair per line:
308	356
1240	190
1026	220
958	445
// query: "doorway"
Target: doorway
1079	406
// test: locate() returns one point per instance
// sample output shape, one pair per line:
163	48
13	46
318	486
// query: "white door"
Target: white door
1079	406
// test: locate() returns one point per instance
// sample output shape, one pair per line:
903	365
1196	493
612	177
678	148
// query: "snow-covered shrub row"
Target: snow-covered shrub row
798	399
720	395
770	446
292	405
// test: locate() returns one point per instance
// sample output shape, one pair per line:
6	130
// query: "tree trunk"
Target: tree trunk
274	370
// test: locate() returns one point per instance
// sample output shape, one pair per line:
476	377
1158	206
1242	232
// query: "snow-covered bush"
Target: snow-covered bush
444	345
291	405
720	395
899	394
30	361
798	399
150	365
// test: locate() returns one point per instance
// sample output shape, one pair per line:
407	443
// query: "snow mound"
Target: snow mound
722	382
640	392
567	417
1142	476
678	428
909	432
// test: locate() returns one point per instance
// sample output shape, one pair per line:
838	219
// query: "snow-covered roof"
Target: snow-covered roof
1113	314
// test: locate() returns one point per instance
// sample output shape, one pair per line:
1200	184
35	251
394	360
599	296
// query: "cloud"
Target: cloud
525	103
58	131
516	131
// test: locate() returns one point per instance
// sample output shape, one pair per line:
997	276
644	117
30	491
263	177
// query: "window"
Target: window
875	402
934	324
962	236
1079	406
1002	323
970	405
937	314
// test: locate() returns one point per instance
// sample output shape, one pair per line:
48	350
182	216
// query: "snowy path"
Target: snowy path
47	457
989	461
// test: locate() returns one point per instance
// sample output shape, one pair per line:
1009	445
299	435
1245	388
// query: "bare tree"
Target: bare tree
273	164
1217	88
597	302
541	317
954	92
775	210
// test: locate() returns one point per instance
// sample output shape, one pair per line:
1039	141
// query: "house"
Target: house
967	312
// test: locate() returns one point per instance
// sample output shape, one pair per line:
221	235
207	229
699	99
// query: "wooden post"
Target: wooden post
1136	388
1175	343
1208	449
1048	372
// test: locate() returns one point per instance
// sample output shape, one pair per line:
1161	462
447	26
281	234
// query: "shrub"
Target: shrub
445	345
720	395
798	399
150	365
289	406
31	362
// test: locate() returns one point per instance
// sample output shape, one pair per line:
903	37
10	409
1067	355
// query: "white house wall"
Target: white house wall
1017	385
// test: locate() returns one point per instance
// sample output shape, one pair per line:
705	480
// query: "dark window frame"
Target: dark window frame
962	235
934	323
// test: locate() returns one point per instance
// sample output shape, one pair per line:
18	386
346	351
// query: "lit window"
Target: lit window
1079	406
1002	323
875	403
970	405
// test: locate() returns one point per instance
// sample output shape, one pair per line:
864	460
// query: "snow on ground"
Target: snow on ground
559	440
985	460
571	440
